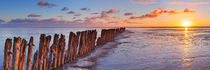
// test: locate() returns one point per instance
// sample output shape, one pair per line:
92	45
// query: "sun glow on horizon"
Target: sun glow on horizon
186	24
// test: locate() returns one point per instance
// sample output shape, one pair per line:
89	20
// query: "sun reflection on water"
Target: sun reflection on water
185	58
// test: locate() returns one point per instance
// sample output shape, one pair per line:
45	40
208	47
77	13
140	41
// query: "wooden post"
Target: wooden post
76	45
70	47
50	61
46	50
61	51
42	45
62	46
22	55
16	53
7	52
54	50
30	50
35	61
81	43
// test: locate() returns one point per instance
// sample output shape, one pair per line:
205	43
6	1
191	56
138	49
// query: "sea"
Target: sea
134	49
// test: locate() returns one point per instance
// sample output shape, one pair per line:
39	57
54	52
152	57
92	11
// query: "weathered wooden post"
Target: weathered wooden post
22	55
35	61
7	52
30	50
54	50
50	60
69	50
62	45
42	45
46	50
81	44
16	53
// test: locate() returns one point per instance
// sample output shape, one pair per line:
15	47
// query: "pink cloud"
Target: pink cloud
34	15
94	13
45	4
143	1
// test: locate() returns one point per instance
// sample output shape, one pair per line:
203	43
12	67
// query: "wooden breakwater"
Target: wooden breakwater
49	57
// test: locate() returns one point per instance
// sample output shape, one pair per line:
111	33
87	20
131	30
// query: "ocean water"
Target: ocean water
152	49
135	49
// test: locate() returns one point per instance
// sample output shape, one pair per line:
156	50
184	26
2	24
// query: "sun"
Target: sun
186	23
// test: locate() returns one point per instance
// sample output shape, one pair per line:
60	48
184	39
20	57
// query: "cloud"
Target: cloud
85	9
64	9
78	14
36	21
208	7
128	14
23	21
188	3
94	13
71	12
158	12
34	15
143	1
111	11
45	4
1	21
175	2
198	3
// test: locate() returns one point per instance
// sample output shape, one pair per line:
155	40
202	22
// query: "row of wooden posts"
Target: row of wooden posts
51	57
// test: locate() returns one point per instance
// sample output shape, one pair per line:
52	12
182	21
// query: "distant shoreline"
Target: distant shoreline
111	27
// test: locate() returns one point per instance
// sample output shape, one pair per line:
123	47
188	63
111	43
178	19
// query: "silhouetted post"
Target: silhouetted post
16	53
30	50
22	55
7	52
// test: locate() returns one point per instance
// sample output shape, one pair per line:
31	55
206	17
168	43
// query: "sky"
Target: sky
103	13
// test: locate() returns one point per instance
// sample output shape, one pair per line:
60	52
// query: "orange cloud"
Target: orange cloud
158	12
174	2
112	11
143	1
198	3
188	3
